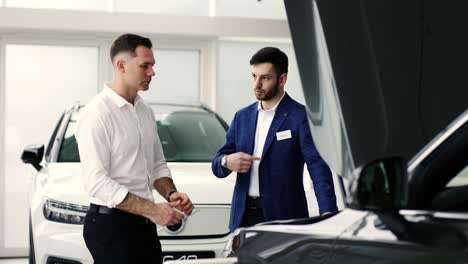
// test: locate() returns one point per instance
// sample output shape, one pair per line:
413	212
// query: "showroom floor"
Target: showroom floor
13	261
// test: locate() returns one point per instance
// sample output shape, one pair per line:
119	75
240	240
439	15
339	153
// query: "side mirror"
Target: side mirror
380	185
33	155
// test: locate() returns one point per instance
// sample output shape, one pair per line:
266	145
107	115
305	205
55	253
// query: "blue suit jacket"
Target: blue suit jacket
281	167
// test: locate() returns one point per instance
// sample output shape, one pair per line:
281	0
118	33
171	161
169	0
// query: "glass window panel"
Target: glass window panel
41	81
189	136
271	9
69	148
176	7
177	78
100	5
460	180
186	136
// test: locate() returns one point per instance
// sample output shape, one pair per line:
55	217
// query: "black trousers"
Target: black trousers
121	238
253	212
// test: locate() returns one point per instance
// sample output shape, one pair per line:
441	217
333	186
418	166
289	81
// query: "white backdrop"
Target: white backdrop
269	9
177	77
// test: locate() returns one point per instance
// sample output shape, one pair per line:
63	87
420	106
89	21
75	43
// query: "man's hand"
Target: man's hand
240	161
184	203
161	214
164	214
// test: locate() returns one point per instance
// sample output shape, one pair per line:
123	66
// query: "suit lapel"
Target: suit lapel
280	115
251	128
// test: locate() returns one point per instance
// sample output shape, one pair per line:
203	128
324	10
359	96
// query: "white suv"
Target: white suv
190	136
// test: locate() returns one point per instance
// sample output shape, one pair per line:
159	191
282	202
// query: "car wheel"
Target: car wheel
32	258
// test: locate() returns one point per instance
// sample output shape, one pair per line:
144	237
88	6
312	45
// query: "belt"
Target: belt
254	202
100	209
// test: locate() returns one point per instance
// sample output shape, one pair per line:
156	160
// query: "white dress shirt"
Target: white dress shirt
264	119
119	149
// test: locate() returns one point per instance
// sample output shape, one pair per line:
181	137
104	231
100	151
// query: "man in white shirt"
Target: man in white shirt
267	145
122	162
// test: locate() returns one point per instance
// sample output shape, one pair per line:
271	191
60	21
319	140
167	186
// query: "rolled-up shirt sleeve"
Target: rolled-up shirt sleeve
160	168
94	144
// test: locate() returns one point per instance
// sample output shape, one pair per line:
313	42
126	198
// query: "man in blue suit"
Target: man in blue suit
267	145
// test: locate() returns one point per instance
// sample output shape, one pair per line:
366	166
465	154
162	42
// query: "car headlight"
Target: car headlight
62	212
233	243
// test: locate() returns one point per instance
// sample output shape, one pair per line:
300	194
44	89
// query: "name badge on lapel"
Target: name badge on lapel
283	135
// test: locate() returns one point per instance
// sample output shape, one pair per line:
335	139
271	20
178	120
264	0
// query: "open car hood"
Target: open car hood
396	72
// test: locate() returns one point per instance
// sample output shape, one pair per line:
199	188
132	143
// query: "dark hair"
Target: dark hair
128	43
273	55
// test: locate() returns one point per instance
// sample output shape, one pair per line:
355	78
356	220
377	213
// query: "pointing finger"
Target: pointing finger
245	156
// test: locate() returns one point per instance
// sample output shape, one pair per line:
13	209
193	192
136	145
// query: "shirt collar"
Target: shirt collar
273	109
117	99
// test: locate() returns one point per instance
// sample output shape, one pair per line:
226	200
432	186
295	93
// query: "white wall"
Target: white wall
179	7
59	4
228	8
177	77
251	8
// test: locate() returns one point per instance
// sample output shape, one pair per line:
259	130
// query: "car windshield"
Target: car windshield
187	135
